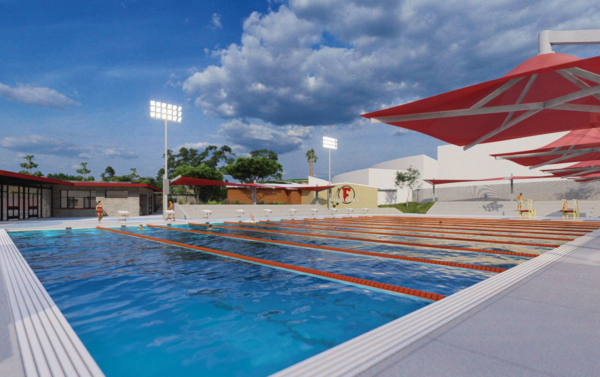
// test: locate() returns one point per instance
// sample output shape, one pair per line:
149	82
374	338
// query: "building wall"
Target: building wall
365	197
539	190
244	196
109	205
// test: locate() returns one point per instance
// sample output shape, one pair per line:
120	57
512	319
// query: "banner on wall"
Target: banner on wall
344	195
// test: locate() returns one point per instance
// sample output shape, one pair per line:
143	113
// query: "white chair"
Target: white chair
349	210
239	212
332	211
206	213
122	215
313	211
267	212
292	212
365	210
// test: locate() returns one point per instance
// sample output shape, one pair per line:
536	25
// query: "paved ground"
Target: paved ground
10	357
546	325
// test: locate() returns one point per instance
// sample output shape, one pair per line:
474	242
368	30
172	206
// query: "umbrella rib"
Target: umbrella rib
576	80
584	74
565	157
521	96
496	93
551	153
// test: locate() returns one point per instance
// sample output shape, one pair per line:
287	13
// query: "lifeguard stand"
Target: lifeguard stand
530	211
571	212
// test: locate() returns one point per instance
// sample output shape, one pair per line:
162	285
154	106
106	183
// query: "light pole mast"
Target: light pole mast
166	112
329	143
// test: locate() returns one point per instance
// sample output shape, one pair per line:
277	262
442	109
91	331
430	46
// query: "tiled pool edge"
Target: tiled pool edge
364	352
47	343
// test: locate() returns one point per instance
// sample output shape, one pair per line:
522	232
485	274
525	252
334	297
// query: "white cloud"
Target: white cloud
324	62
36	144
216	21
199	146
280	140
36	96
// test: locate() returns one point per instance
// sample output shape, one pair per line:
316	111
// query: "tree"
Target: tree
212	156
408	180
204	193
311	157
108	174
29	165
261	166
134	175
84	170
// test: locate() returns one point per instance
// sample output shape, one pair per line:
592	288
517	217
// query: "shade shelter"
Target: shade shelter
548	93
576	146
578	169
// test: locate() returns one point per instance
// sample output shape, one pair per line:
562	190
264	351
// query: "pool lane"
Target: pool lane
294	268
429	278
427	230
380	239
339	250
432	236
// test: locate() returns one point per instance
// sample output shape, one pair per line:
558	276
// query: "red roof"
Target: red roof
115	184
33	178
571	142
532	105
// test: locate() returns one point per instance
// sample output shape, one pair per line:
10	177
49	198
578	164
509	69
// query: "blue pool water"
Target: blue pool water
144	308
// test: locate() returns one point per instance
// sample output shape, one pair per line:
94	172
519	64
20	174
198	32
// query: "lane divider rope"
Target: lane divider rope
292	268
515	254
274	224
356	252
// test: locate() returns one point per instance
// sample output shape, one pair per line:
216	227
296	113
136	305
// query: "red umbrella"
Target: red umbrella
547	93
578	145
577	170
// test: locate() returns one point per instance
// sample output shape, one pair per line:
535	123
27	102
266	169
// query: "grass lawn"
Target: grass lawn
413	207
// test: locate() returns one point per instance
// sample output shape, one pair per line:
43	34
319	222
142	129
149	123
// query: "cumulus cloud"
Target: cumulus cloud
324	62
280	140
36	96
37	144
199	146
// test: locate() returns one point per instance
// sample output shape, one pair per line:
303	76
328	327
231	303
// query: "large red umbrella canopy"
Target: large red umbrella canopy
547	93
578	145
576	170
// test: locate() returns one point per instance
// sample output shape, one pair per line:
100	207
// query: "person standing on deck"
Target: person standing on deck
99	211
520	201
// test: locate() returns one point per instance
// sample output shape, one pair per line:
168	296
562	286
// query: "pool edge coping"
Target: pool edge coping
47	343
360	354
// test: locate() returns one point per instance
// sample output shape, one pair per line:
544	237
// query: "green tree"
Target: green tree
134	175
408	180
260	166
212	156
204	193
29	165
108	174
66	177
311	157
84	170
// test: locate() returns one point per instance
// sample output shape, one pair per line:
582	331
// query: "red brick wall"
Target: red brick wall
244	196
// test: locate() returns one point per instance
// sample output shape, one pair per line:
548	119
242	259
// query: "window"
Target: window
116	194
77	199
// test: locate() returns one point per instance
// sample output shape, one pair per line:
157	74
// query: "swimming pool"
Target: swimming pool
147	309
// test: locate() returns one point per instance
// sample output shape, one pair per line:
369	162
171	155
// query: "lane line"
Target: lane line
338	250
377	241
407	233
288	267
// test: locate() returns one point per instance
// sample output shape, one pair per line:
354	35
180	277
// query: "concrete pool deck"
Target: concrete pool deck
537	319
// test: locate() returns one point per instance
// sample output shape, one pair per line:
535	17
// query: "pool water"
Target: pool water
144	308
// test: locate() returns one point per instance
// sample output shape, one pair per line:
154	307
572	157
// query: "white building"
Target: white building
452	163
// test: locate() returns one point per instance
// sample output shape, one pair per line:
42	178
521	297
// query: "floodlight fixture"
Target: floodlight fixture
329	142
168	113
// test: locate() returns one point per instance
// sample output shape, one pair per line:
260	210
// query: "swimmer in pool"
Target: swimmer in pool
141	226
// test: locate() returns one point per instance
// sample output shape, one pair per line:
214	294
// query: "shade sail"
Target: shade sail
576	146
545	94
581	168
447	181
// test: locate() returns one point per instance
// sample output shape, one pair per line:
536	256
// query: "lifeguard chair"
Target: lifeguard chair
571	212
530	211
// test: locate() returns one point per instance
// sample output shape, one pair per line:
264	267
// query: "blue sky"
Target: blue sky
76	77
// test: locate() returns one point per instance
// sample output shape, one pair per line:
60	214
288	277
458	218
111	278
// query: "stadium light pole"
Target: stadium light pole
329	143
168	113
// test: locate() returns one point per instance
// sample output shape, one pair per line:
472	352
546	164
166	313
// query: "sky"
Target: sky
76	77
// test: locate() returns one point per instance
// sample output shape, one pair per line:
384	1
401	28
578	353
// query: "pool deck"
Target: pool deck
540	318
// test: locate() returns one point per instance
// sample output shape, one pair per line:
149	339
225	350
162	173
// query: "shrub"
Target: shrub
180	201
262	201
226	201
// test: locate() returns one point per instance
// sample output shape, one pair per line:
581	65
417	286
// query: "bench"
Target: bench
122	215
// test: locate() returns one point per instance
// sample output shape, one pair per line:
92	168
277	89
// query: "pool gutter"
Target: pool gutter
47	344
